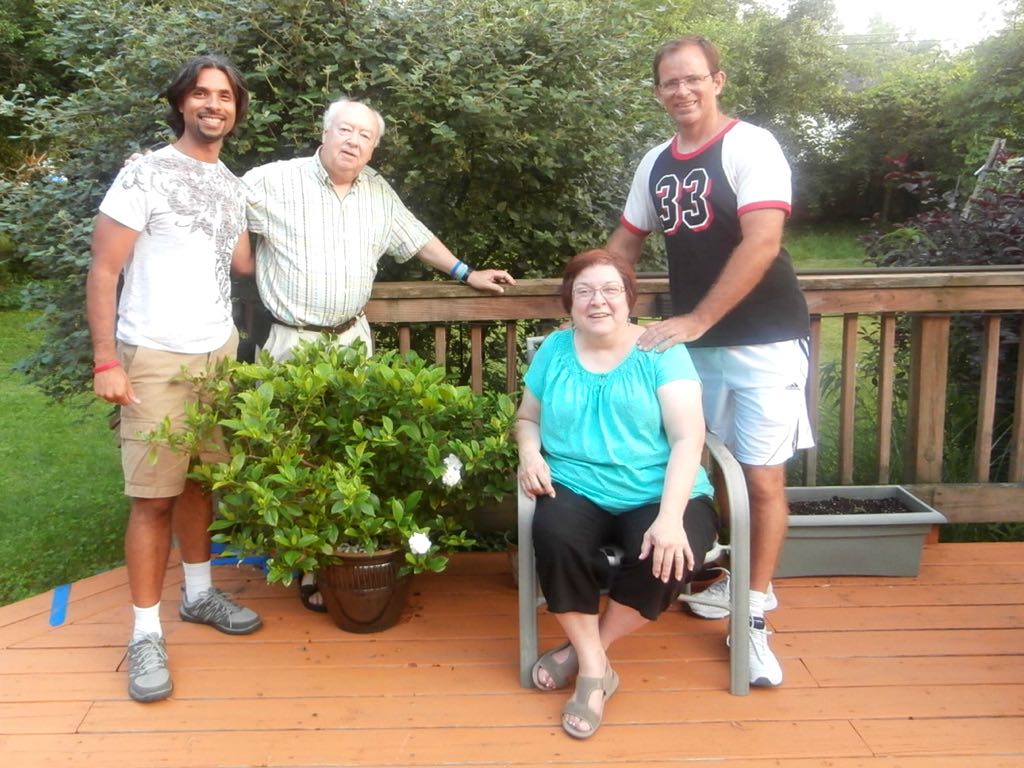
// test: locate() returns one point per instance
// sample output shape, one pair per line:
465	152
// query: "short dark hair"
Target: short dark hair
582	261
709	49
185	80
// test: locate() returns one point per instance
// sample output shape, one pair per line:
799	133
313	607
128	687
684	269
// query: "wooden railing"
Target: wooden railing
930	298
927	299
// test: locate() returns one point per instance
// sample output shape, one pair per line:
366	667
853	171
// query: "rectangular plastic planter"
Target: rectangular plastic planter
856	545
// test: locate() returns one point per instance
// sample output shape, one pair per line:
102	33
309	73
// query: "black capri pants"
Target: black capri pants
568	533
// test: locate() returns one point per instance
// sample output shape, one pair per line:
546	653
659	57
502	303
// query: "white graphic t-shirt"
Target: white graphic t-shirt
177	287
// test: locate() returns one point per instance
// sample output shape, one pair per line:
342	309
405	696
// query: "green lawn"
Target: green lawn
818	247
62	509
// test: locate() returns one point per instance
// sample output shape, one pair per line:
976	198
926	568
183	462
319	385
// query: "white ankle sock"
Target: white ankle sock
757	603
147	621
197	579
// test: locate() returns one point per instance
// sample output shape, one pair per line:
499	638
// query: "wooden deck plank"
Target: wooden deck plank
77	686
636	705
898	618
872	643
915	594
422	747
968	737
998	670
42	717
982	552
29	662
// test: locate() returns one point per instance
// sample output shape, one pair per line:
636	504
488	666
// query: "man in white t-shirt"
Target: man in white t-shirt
719	192
174	224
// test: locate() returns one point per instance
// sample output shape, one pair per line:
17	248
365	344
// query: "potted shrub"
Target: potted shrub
844	531
335	453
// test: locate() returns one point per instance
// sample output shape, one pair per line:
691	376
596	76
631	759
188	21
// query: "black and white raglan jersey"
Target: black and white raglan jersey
696	200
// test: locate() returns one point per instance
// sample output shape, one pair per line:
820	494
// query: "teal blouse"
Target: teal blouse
601	433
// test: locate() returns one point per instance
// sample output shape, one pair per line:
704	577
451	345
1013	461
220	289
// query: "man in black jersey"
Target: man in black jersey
719	191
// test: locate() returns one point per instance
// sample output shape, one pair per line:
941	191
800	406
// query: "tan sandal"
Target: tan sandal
579	704
561	673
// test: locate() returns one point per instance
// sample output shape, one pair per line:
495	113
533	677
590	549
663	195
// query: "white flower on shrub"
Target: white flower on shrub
419	543
453	470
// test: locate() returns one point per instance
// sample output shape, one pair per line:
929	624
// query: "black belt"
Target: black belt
332	329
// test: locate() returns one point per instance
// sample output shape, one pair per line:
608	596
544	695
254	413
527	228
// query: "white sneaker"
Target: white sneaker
719	590
764	667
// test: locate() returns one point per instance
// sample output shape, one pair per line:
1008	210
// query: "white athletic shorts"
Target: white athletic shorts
754	398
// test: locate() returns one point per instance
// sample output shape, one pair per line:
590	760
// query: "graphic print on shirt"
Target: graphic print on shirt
200	198
685	202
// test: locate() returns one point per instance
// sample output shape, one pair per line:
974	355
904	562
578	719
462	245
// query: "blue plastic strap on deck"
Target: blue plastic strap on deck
59	605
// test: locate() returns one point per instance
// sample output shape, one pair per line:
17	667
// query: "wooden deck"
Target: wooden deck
879	672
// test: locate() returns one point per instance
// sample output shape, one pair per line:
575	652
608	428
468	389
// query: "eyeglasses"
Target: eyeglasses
691	83
608	290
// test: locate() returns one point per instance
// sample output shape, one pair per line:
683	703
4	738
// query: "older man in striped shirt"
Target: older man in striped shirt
323	224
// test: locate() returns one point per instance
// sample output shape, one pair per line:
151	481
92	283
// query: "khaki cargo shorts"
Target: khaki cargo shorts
153	471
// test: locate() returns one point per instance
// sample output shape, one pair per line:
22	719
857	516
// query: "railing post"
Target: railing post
441	345
926	421
987	400
886	379
847	399
511	357
813	400
1017	434
476	356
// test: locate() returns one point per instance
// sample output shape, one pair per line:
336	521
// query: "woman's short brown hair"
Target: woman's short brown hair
582	261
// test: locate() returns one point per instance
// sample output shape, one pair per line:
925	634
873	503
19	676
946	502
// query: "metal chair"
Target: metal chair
731	501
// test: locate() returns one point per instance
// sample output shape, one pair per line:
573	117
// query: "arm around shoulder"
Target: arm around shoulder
243	262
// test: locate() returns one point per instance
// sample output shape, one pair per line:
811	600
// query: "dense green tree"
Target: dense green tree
25	68
988	103
508	120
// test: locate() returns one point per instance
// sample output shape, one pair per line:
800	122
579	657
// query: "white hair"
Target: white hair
334	106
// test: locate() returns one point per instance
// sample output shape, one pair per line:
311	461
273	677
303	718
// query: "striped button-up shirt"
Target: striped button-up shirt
317	253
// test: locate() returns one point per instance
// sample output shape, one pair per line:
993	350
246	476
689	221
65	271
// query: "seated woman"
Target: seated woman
610	440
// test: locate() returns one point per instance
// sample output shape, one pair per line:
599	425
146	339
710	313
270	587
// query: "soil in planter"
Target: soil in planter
841	505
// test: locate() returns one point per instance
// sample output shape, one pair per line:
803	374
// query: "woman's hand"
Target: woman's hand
535	475
666	544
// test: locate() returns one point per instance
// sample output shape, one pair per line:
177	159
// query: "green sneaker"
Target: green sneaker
148	676
221	612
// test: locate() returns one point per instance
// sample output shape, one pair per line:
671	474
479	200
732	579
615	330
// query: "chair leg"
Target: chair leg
739	635
733	498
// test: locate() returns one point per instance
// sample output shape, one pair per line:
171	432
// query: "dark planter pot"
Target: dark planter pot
856	545
365	593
